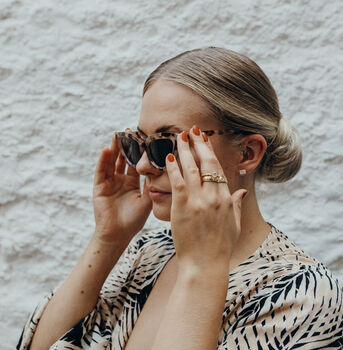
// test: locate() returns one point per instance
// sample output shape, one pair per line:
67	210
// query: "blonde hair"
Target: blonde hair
240	96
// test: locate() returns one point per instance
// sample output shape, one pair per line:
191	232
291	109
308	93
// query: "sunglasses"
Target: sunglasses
132	145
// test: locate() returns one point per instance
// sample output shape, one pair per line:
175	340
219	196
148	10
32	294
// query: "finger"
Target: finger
208	141
131	171
209	144
120	165
179	188
207	158
114	154
190	170
101	169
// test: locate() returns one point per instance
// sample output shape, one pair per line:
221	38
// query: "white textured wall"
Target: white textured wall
71	72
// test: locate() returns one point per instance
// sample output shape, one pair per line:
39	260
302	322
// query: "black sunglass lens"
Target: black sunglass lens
131	150
159	150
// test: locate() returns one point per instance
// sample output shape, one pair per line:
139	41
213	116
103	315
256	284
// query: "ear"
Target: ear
253	147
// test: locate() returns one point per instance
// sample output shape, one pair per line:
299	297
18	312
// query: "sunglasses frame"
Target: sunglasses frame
144	141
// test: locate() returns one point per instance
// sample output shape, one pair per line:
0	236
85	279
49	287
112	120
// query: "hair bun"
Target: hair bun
283	156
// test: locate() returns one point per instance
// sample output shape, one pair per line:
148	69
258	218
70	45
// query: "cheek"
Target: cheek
228	162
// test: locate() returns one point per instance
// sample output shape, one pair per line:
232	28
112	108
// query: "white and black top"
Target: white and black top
279	298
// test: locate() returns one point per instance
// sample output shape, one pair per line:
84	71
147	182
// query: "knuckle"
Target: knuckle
180	186
215	203
212	161
194	171
198	207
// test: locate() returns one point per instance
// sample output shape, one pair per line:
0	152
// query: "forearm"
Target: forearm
77	295
194	313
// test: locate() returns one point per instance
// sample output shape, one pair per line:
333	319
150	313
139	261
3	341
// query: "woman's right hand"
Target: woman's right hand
120	210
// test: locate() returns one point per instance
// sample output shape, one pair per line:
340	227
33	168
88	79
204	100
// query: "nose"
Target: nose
144	167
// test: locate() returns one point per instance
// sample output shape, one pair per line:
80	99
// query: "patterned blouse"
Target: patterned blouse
279	298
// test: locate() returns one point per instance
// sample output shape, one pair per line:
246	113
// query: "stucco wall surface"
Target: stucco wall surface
72	72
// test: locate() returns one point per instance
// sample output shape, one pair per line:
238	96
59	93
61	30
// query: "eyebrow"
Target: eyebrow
164	128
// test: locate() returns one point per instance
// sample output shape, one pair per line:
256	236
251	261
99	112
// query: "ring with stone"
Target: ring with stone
213	177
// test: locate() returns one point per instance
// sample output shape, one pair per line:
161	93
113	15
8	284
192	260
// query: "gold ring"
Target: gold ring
213	177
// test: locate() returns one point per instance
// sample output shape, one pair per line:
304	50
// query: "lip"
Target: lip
155	193
155	189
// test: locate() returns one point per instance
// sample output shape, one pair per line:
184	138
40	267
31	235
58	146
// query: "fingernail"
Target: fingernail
170	157
196	130
244	194
184	136
205	137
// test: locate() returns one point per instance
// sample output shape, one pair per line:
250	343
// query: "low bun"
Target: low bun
283	157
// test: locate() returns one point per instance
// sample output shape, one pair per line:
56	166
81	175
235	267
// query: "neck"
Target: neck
254	229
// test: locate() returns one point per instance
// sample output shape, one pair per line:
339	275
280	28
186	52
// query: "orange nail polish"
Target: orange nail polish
170	157
196	130
184	136
205	137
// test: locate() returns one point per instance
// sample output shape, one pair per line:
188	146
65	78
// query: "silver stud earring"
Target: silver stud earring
242	172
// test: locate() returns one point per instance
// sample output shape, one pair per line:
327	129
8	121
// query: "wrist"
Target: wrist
203	274
102	254
209	286
104	243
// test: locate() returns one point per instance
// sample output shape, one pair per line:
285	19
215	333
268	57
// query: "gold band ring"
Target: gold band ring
213	177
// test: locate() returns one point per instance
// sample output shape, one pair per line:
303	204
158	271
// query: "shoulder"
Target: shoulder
306	285
279	246
295	270
283	297
300	307
278	256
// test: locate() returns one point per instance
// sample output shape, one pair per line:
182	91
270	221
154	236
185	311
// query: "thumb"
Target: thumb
237	199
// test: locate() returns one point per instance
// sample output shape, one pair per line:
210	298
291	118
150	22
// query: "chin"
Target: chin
161	211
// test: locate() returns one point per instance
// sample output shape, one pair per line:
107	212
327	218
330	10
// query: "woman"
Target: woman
221	277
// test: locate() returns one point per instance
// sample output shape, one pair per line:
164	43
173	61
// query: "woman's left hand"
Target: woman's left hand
205	217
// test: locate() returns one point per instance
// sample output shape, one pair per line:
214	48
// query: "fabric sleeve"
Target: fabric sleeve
299	310
96	326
